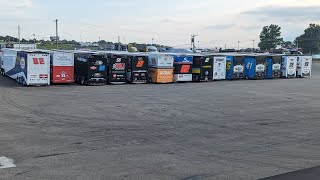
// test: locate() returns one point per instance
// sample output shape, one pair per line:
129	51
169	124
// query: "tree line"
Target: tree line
308	42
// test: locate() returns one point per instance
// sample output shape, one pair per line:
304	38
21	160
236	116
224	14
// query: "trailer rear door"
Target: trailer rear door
38	72
62	67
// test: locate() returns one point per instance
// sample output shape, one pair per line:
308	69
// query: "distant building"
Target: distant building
54	38
21	46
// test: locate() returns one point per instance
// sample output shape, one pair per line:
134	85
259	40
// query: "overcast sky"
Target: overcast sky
170	22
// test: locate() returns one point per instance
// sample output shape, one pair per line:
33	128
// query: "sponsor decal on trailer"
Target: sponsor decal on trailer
185	68
260	68
276	67
119	66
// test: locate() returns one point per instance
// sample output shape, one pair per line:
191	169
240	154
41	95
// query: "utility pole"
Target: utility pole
57	37
152	41
193	46
34	40
118	43
253	46
238	45
19	36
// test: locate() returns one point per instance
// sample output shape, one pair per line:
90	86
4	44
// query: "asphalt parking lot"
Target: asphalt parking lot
219	130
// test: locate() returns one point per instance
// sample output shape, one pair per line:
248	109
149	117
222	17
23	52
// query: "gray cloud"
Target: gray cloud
24	4
286	13
220	26
250	28
167	20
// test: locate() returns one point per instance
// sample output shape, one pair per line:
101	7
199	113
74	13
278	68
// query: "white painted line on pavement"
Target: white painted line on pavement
6	163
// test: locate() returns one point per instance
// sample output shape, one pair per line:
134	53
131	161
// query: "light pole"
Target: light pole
238	45
193	45
34	40
152	41
57	36
253	46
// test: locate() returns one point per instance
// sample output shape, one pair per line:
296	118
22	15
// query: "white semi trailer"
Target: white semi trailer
30	68
304	66
289	66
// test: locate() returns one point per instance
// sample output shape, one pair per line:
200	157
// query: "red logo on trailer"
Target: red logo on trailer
38	60
43	76
140	63
185	69
93	68
119	66
62	74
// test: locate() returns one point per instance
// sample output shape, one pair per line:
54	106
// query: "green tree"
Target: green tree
287	44
310	40
102	42
270	37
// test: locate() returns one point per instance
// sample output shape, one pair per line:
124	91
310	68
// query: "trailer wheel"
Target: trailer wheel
23	82
82	81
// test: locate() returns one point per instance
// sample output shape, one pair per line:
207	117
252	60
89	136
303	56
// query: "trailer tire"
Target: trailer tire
23	82
82	81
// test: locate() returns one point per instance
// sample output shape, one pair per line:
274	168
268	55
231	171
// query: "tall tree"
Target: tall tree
270	37
310	40
287	44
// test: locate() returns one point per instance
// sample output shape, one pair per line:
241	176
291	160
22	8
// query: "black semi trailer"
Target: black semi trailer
202	68
90	68
137	68
118	65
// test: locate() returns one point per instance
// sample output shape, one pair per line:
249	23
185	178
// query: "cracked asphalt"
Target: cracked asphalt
220	130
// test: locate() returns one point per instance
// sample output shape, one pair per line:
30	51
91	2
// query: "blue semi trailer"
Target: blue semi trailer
235	67
255	67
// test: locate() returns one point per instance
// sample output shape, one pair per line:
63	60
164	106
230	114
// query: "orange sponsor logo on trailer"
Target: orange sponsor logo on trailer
164	75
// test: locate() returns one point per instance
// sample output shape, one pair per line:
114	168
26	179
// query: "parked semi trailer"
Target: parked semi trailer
273	66
202	68
62	67
304	65
160	68
118	66
182	67
289	66
30	68
255	67
90	68
137	68
219	67
235	67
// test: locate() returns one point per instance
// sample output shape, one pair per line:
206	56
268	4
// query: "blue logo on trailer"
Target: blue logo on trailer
249	67
102	68
269	64
21	65
183	59
229	68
